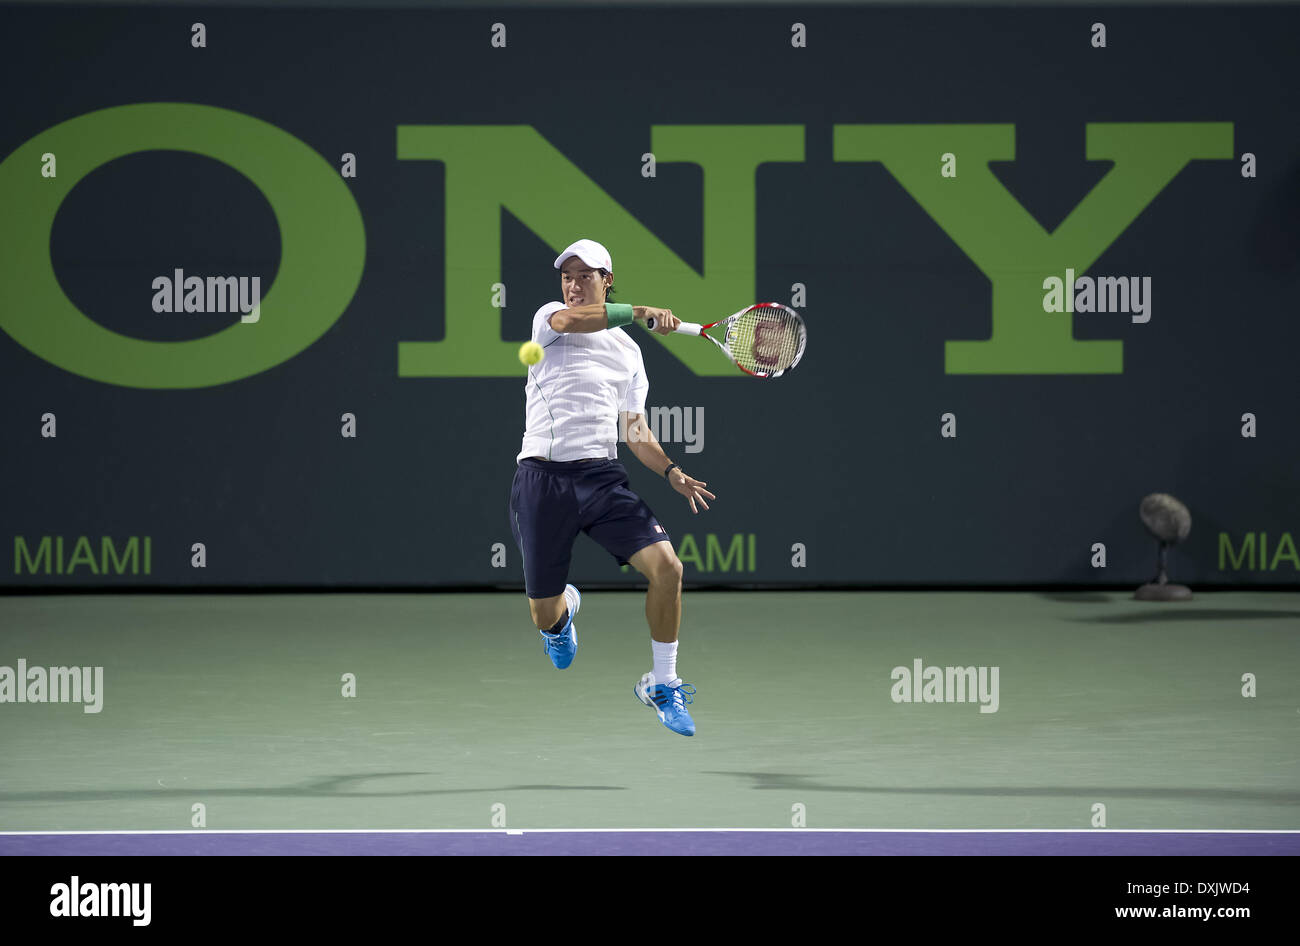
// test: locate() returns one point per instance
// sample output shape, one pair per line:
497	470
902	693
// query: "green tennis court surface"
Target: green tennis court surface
235	703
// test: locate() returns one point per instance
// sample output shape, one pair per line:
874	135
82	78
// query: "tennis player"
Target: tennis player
590	387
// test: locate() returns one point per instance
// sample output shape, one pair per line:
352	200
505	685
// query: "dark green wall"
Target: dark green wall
821	165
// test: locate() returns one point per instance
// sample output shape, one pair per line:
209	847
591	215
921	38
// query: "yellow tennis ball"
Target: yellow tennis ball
530	353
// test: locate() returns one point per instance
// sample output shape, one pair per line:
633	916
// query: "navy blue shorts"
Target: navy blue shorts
550	503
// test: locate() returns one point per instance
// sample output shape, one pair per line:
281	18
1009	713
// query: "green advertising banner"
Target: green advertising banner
265	281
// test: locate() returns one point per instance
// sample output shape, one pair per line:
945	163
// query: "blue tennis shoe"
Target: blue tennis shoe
562	647
669	701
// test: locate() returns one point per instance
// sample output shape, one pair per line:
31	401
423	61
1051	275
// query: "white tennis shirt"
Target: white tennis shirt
574	395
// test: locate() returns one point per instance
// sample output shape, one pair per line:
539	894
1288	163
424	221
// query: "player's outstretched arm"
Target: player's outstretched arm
594	318
641	441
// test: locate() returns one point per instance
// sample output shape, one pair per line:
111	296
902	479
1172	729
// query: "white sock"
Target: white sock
665	655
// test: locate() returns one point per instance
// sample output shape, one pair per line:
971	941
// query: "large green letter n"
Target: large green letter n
512	166
1009	246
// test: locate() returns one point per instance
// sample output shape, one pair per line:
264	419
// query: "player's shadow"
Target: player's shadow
330	786
1170	612
779	781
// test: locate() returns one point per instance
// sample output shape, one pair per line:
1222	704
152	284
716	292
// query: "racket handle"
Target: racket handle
683	328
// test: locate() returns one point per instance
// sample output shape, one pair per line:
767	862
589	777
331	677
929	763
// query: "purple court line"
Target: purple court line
720	842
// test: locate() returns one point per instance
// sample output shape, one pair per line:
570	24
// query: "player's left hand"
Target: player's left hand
691	488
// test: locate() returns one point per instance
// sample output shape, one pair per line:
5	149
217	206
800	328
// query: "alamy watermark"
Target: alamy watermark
1131	294
77	899
684	425
53	685
181	293
921	684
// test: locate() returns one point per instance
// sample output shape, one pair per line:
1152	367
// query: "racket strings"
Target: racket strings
766	340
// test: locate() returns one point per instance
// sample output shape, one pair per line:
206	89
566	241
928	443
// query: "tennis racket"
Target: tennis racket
765	340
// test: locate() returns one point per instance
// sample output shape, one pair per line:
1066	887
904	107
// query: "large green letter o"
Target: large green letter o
322	240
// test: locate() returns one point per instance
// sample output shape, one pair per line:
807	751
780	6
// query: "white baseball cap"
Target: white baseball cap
590	252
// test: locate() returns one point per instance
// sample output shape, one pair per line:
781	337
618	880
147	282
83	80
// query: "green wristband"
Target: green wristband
618	313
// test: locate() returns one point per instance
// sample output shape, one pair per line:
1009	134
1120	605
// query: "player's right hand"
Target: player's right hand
665	322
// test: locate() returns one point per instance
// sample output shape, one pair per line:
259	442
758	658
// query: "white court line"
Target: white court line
671	831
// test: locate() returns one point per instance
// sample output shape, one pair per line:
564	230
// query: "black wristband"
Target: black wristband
675	466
